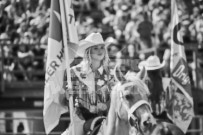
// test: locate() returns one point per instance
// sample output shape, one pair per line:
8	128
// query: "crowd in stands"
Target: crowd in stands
24	25
133	26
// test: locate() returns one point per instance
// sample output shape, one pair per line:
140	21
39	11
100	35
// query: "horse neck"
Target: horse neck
122	127
119	126
122	124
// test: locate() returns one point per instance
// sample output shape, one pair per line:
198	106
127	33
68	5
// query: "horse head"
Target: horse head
134	94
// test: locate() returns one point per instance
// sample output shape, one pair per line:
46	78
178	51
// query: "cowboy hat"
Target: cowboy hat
153	63
91	40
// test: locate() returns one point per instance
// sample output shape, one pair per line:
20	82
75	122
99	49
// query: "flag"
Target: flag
60	53
182	102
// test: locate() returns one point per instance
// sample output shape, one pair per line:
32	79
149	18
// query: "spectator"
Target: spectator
20	129
38	62
24	63
156	86
145	28
120	20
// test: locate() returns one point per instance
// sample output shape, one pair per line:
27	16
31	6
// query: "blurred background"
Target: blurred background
136	28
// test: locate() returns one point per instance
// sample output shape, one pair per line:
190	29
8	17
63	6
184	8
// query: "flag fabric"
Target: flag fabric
59	42
182	111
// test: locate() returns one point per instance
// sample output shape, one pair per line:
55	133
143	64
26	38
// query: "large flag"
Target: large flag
182	102
60	53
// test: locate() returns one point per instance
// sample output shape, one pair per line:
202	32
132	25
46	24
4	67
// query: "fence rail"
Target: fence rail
196	127
5	71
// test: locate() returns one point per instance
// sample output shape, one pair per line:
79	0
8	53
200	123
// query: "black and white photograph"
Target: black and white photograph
101	67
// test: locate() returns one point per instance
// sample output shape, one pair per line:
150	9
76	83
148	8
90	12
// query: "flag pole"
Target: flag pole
64	21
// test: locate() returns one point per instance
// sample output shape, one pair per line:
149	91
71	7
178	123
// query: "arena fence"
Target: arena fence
5	71
196	127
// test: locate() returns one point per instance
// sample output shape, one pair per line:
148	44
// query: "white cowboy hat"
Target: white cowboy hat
141	64
153	63
91	40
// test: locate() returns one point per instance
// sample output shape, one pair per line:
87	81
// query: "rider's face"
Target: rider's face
98	52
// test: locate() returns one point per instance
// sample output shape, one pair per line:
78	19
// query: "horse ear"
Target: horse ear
142	73
118	75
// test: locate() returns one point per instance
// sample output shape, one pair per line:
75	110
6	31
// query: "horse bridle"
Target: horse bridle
134	107
132	118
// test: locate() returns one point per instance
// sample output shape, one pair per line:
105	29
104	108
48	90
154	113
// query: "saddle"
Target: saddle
92	126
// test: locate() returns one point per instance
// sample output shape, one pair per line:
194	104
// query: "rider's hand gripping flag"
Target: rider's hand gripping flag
62	45
182	111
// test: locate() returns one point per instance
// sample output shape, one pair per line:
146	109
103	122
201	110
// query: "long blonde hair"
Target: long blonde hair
87	60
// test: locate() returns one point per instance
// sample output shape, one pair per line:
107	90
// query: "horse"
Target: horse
129	94
133	96
130	112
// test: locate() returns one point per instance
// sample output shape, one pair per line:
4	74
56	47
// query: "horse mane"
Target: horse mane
133	77
117	118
